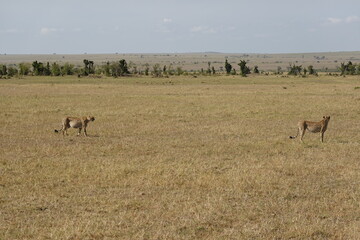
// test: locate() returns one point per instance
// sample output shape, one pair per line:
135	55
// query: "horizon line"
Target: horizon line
151	53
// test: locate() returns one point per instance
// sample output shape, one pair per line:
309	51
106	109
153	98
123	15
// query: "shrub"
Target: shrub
11	71
24	68
244	70
55	69
179	71
3	70
294	70
156	70
67	69
228	67
311	70
348	69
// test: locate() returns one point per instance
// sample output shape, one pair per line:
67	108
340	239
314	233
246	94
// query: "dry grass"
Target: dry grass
179	158
196	61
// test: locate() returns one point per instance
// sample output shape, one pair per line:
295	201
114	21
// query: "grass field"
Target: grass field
179	158
196	61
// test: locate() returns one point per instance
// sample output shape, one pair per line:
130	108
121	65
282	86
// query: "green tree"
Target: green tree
24	69
179	71
47	70
171	70
165	69
311	70
67	69
228	67
55	69
115	69
156	70
107	69
347	69
86	67
305	71
244	70
294	70
40	70
11	71
209	68
147	69
342	69
132	68
123	67
3	70
351	68
91	67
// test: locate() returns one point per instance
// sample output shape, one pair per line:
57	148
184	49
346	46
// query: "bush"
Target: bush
348	69
3	70
11	71
294	70
123	67
228	67
24	68
67	69
156	70
55	69
244	70
179	71
311	70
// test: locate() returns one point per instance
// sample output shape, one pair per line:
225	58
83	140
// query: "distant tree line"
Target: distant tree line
349	69
296	70
122	68
244	70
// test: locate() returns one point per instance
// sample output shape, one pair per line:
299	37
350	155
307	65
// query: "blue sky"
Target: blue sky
178	26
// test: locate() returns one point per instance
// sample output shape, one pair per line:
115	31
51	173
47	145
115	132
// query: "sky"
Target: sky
178	26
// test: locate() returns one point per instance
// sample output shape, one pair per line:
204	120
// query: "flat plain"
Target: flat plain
323	61
179	158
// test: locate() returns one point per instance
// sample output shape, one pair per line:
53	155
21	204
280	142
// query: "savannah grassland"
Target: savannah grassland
325	61
179	158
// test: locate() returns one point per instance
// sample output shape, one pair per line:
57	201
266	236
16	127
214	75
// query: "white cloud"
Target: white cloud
196	29
165	26
46	30
334	20
202	29
349	19
167	20
352	19
9	31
